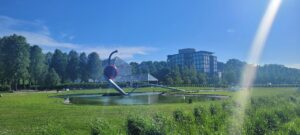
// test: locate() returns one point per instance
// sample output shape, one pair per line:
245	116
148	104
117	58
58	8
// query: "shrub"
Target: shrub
101	127
297	110
293	99
199	114
178	116
4	87
259	127
271	121
190	100
291	128
136	125
185	122
213	110
282	115
161	123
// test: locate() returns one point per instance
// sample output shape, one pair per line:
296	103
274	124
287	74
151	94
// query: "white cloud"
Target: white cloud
37	33
230	30
293	66
124	52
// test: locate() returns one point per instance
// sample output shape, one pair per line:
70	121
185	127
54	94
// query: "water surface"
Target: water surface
139	98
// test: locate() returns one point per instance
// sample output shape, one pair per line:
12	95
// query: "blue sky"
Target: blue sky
152	29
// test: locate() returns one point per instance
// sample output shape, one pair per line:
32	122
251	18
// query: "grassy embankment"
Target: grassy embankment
38	112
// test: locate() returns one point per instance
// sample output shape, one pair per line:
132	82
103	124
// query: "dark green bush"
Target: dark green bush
178	116
259	127
161	123
283	116
190	101
136	125
271	121
184	122
213	109
101	127
4	87
199	114
293	99
297	110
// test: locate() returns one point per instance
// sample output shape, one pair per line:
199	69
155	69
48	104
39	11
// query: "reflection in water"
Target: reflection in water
139	98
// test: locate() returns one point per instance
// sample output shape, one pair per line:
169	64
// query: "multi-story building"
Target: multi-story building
203	61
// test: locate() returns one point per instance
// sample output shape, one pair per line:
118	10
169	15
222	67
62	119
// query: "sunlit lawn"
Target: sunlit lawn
32	112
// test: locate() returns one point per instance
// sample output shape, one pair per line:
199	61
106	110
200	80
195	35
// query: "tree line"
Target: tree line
26	66
231	73
23	65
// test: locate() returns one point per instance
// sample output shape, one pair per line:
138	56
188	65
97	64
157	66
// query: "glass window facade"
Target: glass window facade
203	61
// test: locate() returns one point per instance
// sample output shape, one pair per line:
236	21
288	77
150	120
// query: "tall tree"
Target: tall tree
15	52
134	68
83	71
52	78
176	76
232	71
73	66
48	59
37	64
94	66
59	63
1	63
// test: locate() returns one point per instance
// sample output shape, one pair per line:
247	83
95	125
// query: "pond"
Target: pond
144	98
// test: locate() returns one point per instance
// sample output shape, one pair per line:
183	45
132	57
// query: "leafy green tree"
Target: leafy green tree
185	75
277	74
146	67
59	63
232	71
72	69
1	62
201	77
37	65
94	66
176	76
15	53
52	78
193	75
48	59
134	68
83	71
162	75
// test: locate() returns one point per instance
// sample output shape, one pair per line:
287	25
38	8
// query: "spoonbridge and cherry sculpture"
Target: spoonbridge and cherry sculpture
111	72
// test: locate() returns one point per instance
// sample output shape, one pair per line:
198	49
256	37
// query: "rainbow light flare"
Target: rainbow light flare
249	72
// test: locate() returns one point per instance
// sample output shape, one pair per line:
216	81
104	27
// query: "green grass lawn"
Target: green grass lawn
35	112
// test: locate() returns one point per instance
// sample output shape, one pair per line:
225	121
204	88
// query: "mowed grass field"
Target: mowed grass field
42	113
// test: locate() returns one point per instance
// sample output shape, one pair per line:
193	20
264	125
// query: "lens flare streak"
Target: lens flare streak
249	72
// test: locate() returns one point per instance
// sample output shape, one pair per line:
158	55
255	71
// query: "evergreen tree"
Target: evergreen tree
59	63
176	76
201	77
37	65
94	66
232	71
83	71
15	53
185	75
52	78
73	66
1	62
134	68
48	59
